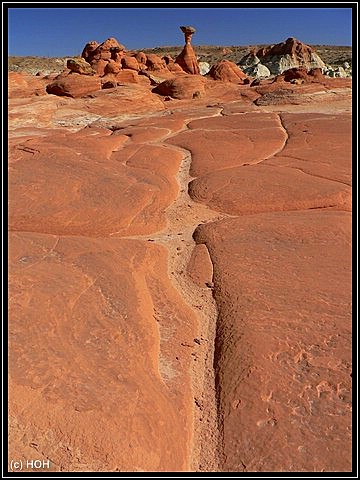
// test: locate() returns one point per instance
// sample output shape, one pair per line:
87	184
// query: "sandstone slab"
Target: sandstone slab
91	183
283	347
318	144
110	369
230	141
259	188
100	382
23	85
74	85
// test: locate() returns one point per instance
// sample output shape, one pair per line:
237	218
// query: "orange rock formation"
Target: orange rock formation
179	272
187	58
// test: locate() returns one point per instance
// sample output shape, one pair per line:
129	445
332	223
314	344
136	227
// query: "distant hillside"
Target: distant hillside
332	55
33	65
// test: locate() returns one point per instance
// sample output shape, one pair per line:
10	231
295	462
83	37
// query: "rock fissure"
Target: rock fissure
201	328
182	217
308	173
178	239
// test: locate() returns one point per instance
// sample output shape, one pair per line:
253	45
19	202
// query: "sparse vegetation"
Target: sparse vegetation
37	64
332	55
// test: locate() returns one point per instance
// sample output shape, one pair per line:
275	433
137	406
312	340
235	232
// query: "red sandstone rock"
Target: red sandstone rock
45	114
74	85
280	92
25	85
187	58
171	65
230	141
317	75
112	68
130	63
108	82
188	61
99	66
283	348
281	280
78	388
301	73
158	77
314	132
258	188
89	49
141	59
291	46
106	48
99	54
154	63
200	268
184	86
61	75
130	99
125	183
228	71
127	76
297	181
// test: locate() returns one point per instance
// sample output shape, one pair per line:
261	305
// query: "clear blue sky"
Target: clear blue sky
65	31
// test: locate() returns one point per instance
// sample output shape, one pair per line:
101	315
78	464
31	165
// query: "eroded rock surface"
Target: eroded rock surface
291	53
97	371
110	188
282	286
187	58
183	87
285	177
120	360
227	71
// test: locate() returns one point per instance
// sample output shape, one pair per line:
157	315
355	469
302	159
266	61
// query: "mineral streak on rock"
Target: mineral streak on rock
289	54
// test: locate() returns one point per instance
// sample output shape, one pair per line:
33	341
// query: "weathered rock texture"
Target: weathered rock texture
287	408
227	71
74	85
24	85
79	65
113	65
300	76
110	61
186	86
92	385
129	185
289	54
187	58
258	71
89	49
261	185
171	65
129	217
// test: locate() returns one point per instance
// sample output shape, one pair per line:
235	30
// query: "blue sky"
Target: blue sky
65	31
